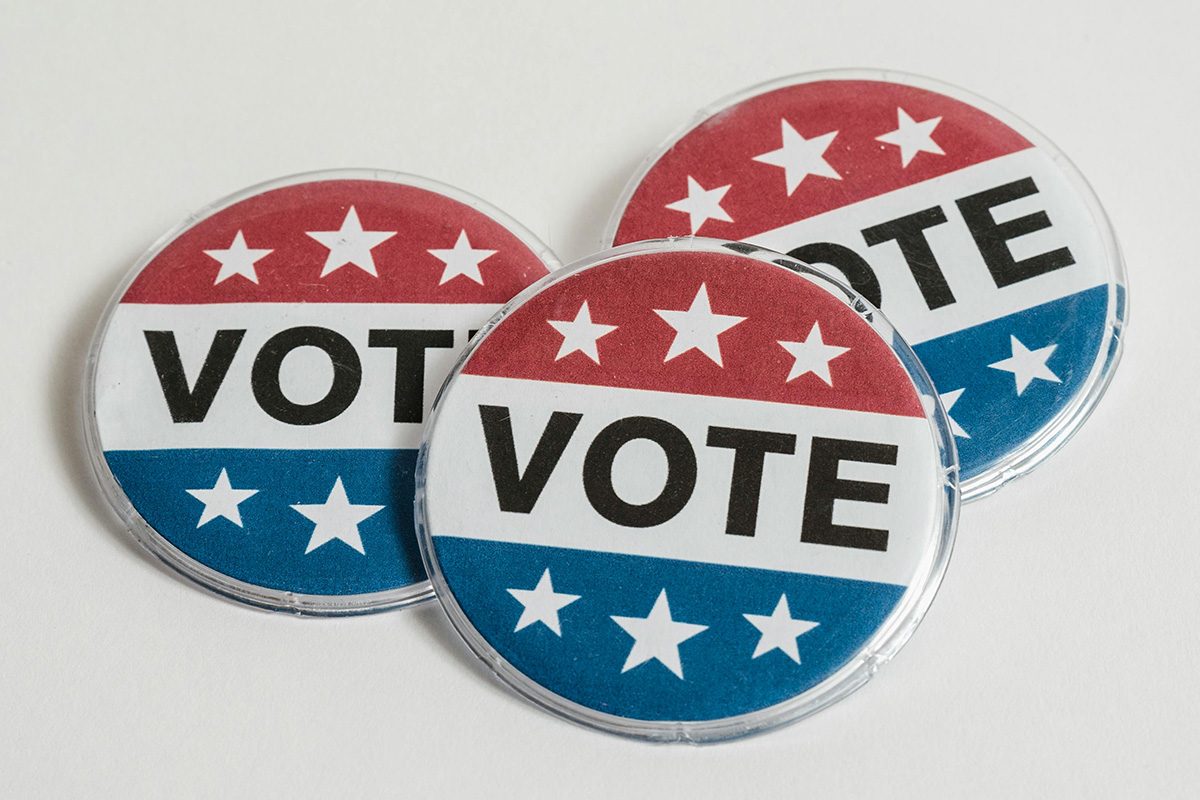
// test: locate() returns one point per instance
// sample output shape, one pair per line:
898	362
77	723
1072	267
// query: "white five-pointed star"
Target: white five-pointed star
697	328
801	157
657	636
222	500
580	334
542	604
461	259
948	400
351	245
1026	364
336	518
812	355
779	630
237	259
912	137
702	204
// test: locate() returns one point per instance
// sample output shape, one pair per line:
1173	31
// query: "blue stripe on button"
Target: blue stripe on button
268	550
997	419
721	678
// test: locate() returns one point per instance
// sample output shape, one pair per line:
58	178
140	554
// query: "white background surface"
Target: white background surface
1061	656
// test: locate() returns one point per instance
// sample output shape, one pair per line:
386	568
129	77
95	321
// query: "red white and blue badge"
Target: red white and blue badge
258	387
686	490
977	238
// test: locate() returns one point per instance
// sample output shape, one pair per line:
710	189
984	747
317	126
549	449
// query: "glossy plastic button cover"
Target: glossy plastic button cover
972	232
256	389
686	490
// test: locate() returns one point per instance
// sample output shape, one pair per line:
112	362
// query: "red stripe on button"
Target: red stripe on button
778	306
280	220
721	151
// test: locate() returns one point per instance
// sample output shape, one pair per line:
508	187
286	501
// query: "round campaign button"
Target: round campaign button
686	490
257	387
979	240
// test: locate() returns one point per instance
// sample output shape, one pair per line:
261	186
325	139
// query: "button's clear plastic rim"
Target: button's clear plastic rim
879	649
199	573
1060	428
